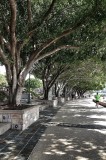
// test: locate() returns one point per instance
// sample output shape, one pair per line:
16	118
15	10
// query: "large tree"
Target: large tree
85	75
31	30
50	68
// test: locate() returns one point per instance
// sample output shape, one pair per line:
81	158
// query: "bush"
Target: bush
3	96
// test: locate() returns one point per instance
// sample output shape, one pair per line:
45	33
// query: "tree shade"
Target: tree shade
33	30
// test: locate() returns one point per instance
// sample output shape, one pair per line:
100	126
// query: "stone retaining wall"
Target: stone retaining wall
20	119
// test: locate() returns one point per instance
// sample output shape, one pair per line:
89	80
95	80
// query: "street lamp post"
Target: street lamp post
29	97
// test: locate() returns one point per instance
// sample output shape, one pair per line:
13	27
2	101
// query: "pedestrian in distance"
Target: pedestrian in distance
97	99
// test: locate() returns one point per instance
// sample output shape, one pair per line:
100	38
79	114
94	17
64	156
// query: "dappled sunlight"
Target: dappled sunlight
65	141
81	158
75	148
103	131
77	115
64	116
80	133
102	154
90	145
9	142
10	147
43	140
54	118
5	155
68	148
55	152
103	123
97	116
75	132
55	148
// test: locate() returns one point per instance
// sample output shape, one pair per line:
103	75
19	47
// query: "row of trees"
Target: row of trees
32	30
66	76
70	75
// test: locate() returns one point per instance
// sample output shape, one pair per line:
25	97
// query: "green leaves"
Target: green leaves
33	83
88	75
3	81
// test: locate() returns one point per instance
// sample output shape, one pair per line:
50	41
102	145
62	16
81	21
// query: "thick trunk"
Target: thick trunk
64	92
57	90
16	87
45	88
46	93
18	95
15	97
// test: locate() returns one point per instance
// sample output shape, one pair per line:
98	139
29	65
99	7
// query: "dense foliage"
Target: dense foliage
31	30
33	83
3	81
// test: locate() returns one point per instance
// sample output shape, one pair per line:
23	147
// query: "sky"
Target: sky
3	71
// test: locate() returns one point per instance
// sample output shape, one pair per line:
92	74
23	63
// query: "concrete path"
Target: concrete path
76	132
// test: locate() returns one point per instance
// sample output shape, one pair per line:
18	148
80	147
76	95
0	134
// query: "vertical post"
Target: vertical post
29	98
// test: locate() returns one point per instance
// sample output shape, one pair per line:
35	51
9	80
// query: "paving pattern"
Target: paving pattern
18	145
75	131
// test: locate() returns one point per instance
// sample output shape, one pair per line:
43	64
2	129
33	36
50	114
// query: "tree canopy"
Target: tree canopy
85	75
32	30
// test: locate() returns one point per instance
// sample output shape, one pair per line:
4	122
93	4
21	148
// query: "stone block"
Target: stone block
20	119
55	102
4	127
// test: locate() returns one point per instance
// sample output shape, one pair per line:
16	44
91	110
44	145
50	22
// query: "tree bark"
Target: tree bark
46	93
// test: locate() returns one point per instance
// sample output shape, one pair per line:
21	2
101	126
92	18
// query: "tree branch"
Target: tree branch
35	56
63	34
56	75
29	12
13	26
32	60
5	43
48	11
30	33
56	50
3	57
44	17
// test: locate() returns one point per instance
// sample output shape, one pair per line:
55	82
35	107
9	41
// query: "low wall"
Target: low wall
51	103
20	119
55	102
68	98
61	100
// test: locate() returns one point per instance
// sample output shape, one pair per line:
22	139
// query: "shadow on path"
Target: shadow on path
90	126
19	144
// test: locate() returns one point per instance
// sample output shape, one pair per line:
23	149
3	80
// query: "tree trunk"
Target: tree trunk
46	93
56	90
64	92
46	88
16	85
15	97
18	95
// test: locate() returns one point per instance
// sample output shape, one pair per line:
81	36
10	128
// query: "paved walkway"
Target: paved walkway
16	145
76	131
